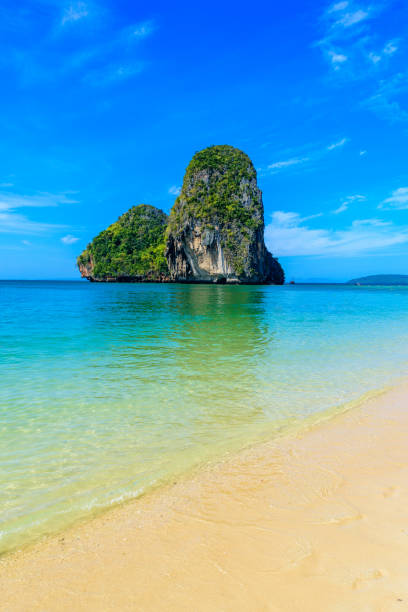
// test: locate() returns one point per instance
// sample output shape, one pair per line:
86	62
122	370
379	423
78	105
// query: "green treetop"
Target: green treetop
132	247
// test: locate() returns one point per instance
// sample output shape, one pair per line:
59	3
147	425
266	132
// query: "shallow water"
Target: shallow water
108	390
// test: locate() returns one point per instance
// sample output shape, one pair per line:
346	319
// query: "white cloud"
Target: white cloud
344	15
74	12
125	71
384	102
363	152
113	72
108	53
11	201
280	217
175	190
347	40
287	163
143	29
13	223
373	57
340	20
391	48
346	203
349	19
337	58
291	218
336	145
398	200
339	6
342	208
372	223
16	223
313	156
288	235
120	44
69	239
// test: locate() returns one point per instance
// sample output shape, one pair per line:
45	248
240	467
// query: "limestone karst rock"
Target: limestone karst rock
216	226
215	231
132	249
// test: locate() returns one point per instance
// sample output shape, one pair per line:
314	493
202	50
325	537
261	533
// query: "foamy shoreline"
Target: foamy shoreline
309	522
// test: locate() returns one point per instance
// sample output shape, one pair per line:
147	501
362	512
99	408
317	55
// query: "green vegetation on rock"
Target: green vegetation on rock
131	248
219	190
215	231
221	202
214	182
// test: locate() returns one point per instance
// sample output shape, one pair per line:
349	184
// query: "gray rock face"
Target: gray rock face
216	227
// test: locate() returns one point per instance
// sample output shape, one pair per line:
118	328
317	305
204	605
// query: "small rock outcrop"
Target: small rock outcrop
132	249
216	226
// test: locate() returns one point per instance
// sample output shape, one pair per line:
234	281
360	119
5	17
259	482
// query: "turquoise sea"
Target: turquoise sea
108	390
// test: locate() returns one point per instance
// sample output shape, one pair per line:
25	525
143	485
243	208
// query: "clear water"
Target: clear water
108	390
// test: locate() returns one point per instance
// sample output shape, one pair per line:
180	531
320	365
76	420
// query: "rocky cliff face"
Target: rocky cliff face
215	232
216	226
132	249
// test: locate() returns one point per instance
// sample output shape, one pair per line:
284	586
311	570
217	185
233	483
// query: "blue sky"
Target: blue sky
104	103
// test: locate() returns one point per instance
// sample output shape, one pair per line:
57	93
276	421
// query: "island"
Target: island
381	279
131	249
214	233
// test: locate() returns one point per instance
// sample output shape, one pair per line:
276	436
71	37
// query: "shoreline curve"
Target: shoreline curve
310	521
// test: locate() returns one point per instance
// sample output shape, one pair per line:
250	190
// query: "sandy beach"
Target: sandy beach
313	521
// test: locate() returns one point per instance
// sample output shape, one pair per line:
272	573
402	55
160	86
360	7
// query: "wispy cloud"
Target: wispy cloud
69	239
142	29
342	22
345	15
113	72
374	57
175	190
74	12
115	59
12	222
288	234
338	6
342	208
351	18
385	102
279	165
11	201
105	57
337	59
391	47
336	145
352	46
312	156
348	43
386	52
347	201
398	200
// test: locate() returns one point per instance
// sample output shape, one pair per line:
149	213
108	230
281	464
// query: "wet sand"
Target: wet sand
311	522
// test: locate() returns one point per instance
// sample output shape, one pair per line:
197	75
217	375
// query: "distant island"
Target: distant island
381	279
214	233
